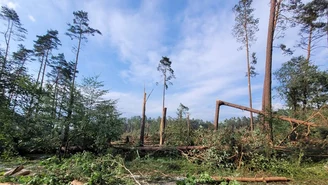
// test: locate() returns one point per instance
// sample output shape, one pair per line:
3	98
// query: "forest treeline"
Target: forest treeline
49	110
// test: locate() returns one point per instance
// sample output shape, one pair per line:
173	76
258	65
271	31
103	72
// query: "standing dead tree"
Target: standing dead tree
143	120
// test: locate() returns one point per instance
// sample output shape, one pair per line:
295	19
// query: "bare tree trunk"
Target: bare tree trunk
162	126
7	40
41	65
309	44
249	80
266	104
216	116
71	101
162	133
44	68
143	121
188	123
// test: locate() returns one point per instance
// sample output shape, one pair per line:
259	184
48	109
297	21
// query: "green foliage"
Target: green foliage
177	133
192	180
85	167
302	92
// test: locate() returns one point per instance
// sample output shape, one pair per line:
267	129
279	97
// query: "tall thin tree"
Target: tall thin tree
13	30
267	100
78	30
166	70
244	30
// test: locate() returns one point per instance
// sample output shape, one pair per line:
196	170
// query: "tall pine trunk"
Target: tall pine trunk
266	104
249	78
71	99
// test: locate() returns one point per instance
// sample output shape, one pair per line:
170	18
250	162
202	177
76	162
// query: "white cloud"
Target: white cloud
9	4
31	18
205	57
204	53
137	36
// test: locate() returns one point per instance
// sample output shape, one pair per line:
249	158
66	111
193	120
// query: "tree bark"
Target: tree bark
44	68
249	79
188	123
309	44
216	116
266	104
143	121
162	127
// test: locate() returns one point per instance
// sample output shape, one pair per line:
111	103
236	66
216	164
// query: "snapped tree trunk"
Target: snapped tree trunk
143	121
216	116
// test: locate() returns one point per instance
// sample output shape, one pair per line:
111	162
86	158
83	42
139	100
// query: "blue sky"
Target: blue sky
195	35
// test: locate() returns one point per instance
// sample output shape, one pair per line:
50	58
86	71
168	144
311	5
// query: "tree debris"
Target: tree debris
252	179
18	171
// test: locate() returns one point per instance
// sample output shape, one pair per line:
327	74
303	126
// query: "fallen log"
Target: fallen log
162	148
13	171
252	179
22	173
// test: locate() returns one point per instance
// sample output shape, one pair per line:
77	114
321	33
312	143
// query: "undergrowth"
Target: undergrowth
85	167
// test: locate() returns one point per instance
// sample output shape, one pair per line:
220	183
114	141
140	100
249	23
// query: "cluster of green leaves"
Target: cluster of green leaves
203	178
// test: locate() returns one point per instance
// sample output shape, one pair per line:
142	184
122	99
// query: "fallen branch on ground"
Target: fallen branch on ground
252	179
163	148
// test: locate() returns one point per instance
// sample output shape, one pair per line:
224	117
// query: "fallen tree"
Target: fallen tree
220	102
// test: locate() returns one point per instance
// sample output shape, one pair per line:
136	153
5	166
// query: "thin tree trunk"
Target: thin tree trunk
164	124
309	44
188	123
9	29
42	60
162	127
44	68
143	121
71	101
249	78
54	105
266	106
216	116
